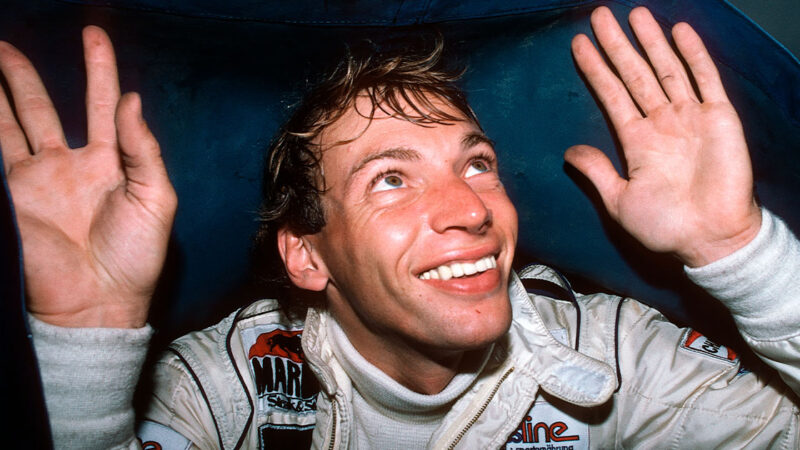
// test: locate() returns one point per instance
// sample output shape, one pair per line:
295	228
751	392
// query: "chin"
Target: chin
479	330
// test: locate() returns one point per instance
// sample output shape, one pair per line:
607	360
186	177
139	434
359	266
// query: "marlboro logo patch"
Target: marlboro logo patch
697	343
277	364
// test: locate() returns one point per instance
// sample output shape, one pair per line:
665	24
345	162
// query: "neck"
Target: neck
422	370
424	373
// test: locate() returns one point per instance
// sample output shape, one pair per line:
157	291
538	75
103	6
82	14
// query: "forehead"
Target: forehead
366	127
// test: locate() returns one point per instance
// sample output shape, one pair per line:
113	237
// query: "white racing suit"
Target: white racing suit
583	371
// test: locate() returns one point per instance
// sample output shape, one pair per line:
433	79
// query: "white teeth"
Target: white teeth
470	269
458	270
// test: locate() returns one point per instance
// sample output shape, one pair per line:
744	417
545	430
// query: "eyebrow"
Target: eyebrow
404	154
475	138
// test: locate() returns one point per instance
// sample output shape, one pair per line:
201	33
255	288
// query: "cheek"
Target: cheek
370	240
513	221
392	232
504	213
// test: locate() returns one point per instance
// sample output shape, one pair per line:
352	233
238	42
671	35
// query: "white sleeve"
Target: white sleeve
760	285
89	376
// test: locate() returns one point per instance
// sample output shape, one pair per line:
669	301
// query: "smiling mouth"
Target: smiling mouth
460	269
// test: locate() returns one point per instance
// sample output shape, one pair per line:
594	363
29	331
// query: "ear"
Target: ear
305	268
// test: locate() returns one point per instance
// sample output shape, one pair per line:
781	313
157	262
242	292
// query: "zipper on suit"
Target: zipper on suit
480	410
334	416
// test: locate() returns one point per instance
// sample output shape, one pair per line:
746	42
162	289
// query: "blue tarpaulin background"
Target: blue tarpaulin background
218	79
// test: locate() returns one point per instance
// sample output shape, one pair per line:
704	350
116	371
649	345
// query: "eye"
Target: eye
476	167
388	182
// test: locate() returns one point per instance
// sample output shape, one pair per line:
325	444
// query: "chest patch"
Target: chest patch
277	364
695	342
154	436
547	428
285	436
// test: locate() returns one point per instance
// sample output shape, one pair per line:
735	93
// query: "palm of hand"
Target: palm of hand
689	187
684	179
84	237
94	221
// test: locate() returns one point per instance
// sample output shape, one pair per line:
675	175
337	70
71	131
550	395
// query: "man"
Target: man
426	338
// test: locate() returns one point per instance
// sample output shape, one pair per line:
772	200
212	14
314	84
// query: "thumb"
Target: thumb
140	153
595	165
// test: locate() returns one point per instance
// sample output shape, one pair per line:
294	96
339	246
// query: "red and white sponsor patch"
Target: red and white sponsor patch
696	342
154	436
282	380
545	427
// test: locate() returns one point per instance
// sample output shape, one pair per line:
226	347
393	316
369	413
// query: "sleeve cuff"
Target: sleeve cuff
89	376
759	283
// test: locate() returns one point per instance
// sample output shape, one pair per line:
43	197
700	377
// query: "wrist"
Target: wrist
107	315
703	252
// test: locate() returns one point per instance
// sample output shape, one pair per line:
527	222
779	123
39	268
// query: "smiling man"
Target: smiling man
383	194
431	200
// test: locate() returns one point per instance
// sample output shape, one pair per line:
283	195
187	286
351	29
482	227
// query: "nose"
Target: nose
455	205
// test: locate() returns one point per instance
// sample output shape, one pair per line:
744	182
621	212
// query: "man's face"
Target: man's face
405	205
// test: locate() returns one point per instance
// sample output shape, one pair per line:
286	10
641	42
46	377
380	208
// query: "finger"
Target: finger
668	67
609	89
596	166
700	63
102	85
34	108
632	68
13	144
141	157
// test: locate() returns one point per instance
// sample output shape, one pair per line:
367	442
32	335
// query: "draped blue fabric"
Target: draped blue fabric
218	79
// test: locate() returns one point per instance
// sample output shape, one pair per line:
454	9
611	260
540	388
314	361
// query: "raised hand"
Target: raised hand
689	186
95	221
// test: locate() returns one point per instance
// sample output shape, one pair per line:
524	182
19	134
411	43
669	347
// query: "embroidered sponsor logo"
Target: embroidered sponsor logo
697	343
154	436
547	428
150	445
277	364
284	343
